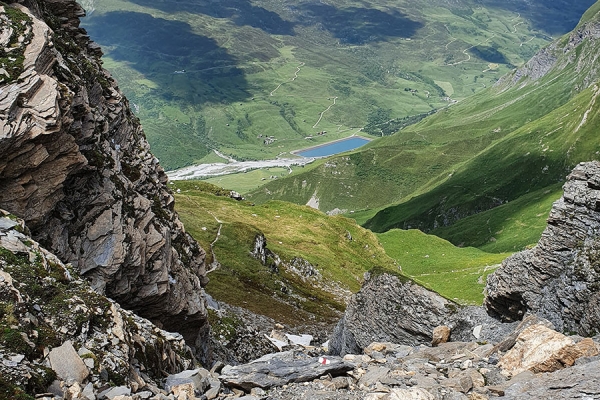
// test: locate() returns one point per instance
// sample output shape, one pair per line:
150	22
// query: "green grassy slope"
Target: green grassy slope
507	228
228	75
521	135
535	156
458	273
338	248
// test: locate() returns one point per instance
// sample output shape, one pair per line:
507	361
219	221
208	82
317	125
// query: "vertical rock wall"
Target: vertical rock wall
559	279
76	166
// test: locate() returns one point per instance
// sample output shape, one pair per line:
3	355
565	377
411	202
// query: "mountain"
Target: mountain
257	79
521	135
92	217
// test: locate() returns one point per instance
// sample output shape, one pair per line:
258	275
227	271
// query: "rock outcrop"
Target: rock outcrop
75	165
560	55
59	335
559	279
389	308
392	308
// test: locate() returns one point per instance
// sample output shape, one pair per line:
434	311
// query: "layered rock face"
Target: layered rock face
388	308
75	165
392	308
559	279
55	328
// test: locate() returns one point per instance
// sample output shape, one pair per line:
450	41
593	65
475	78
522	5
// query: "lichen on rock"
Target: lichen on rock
49	312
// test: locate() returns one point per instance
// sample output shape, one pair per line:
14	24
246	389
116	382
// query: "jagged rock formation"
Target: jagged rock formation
559	279
392	308
558	56
389	308
55	328
75	165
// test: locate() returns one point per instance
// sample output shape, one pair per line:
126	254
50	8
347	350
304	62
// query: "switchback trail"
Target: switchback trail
214	265
291	80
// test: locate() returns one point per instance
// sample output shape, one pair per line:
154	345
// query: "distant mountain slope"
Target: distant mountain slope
257	78
546	145
523	134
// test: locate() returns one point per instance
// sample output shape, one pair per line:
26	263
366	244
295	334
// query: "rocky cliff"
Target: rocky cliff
562	54
59	335
559	279
392	308
75	165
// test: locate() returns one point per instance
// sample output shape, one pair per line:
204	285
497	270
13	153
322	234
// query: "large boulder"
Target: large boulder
389	308
279	369
540	349
559	278
392	308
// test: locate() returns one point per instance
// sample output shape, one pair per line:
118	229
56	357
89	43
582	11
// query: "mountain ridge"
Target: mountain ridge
420	165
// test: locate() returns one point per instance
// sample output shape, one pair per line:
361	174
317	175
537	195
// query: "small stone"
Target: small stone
302	340
88	392
477	396
477	378
461	383
198	377
112	393
217	367
477	331
10	363
6	223
587	347
258	392
375	346
184	391
212	393
89	362
441	334
83	351
67	364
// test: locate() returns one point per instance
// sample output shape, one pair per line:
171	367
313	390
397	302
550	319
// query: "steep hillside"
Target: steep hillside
76	166
523	134
289	262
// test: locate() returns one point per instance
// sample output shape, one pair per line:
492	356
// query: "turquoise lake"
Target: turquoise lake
330	149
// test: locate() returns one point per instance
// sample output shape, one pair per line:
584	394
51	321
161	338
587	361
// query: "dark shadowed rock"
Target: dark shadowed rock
559	278
392	308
